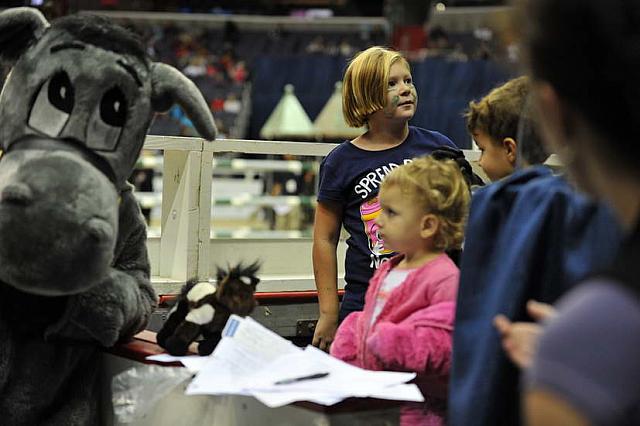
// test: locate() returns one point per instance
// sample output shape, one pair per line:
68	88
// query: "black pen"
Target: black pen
301	379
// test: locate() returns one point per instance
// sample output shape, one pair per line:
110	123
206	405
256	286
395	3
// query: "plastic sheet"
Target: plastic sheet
137	390
152	395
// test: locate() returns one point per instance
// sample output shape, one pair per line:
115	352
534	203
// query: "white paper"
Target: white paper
164	358
278	399
246	347
251	360
192	362
343	378
403	392
255	342
343	381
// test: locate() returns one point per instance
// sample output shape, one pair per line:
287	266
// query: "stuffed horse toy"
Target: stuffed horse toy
203	309
74	269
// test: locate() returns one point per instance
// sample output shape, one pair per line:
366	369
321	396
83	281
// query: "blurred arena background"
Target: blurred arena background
268	70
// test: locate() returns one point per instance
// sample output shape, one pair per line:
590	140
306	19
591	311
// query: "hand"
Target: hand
540	311
520	339
325	331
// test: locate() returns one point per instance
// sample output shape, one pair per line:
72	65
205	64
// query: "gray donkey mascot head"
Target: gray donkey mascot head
74	270
74	112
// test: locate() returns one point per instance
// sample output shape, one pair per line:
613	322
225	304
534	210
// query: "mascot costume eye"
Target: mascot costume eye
74	270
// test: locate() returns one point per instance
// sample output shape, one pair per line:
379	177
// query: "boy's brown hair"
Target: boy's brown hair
364	86
439	188
498	113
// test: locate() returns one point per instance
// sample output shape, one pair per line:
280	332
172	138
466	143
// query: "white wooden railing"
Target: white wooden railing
185	249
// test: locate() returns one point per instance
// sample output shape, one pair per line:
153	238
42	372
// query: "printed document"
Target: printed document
252	360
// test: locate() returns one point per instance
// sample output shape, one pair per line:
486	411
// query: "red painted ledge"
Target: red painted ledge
141	346
288	296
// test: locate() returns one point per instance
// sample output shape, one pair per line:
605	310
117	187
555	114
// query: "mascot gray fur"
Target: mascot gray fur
74	270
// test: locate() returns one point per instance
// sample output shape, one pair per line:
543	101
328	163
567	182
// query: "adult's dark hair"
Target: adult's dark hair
589	51
531	150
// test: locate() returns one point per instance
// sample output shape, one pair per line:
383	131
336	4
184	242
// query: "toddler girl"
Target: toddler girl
408	316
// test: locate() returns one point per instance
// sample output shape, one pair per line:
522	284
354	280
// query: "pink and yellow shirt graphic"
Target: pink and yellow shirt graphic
369	211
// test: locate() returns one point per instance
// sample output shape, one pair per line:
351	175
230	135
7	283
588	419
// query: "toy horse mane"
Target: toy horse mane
238	272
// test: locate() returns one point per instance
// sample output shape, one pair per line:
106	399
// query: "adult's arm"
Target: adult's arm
587	358
542	408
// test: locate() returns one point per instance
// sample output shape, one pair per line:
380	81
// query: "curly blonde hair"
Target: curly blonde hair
365	82
439	188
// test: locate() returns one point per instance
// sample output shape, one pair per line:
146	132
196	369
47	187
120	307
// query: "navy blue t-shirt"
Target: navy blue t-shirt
351	176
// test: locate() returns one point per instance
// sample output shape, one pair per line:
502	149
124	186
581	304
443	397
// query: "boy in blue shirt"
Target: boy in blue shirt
529	236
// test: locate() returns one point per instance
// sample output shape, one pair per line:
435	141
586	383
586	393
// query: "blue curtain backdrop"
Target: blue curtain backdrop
444	88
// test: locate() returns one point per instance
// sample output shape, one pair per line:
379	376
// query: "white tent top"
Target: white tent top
288	119
330	122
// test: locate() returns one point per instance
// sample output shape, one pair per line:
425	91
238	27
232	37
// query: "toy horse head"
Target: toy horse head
236	288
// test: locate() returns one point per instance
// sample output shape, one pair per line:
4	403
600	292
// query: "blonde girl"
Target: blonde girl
378	92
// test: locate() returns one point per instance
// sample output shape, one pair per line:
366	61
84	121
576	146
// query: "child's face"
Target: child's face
494	157
402	98
400	221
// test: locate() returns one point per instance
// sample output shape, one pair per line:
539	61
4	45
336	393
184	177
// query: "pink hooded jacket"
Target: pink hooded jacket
412	333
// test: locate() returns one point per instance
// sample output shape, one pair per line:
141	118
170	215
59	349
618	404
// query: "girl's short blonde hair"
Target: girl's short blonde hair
364	86
438	187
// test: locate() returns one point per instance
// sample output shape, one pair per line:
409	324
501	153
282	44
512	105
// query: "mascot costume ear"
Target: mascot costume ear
79	99
19	28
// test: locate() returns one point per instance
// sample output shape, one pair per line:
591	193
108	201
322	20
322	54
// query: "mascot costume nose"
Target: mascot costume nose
74	271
